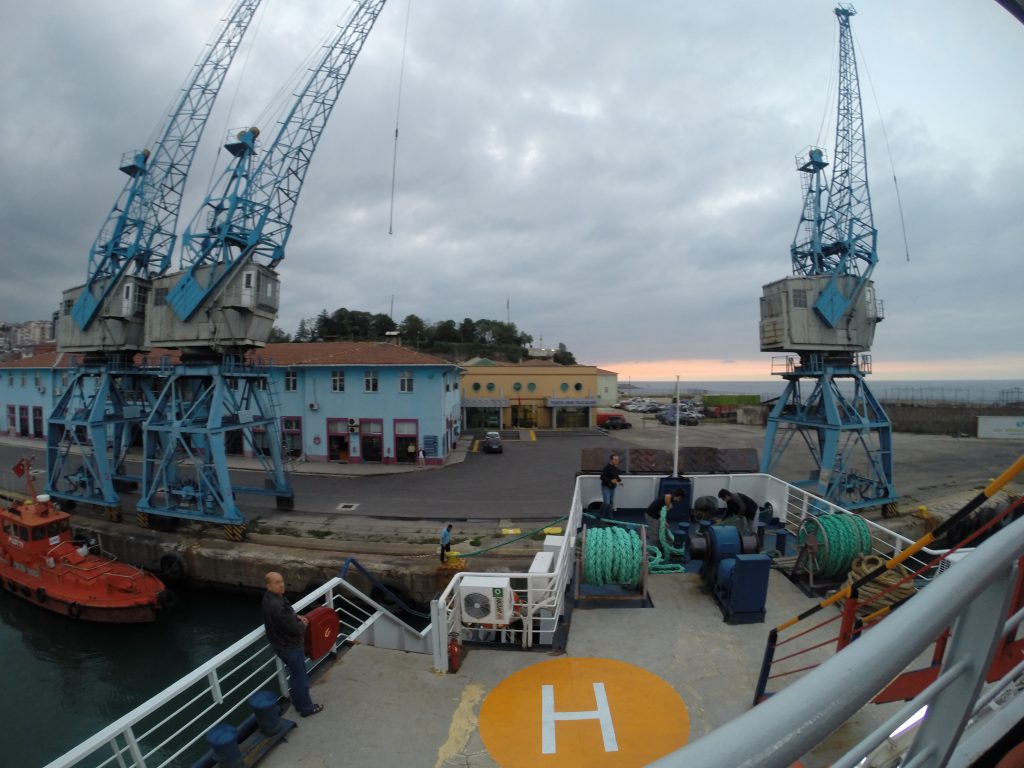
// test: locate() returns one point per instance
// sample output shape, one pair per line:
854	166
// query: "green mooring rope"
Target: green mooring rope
848	537
612	556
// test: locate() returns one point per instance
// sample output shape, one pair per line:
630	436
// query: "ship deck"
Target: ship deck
389	709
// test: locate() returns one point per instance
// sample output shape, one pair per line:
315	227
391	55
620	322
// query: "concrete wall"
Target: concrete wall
943	419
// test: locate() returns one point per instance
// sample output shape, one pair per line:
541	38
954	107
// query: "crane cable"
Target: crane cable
398	112
888	150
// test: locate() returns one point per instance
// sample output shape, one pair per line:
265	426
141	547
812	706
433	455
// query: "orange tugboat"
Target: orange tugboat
40	563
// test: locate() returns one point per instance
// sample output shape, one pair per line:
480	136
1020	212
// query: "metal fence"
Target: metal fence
170	728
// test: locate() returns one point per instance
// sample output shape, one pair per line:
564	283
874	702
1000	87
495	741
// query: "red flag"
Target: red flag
19	468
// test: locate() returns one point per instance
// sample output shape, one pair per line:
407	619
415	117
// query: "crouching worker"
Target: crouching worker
740	510
285	633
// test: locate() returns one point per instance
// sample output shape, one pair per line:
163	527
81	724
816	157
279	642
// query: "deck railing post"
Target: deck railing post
766	666
974	639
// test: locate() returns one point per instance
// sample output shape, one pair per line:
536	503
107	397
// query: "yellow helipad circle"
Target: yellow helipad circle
590	713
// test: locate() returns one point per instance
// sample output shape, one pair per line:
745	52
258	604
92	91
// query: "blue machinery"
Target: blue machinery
826	314
108	396
219	307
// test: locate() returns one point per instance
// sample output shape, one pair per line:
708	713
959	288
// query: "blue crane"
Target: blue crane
222	305
107	396
826	314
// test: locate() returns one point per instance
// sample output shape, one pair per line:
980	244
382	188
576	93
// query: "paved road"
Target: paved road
532	481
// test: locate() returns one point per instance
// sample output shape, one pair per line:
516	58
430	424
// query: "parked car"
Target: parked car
492	443
612	421
668	417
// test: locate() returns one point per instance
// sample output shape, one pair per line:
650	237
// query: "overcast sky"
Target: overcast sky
621	174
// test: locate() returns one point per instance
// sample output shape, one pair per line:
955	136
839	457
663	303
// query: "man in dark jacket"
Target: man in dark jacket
739	508
610	480
285	632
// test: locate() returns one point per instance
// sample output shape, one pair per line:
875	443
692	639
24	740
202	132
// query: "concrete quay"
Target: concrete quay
389	517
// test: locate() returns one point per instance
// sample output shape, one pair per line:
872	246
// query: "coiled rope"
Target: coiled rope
612	556
870	594
841	537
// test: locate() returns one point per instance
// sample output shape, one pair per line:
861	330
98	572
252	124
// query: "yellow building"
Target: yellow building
535	394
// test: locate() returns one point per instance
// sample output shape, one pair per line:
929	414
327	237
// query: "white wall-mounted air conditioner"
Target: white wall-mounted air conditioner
314	407
486	600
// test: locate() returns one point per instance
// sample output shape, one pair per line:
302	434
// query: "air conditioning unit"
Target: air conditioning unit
314	407
486	600
42	390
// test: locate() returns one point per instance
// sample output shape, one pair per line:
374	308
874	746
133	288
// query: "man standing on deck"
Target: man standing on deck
446	540
610	480
285	632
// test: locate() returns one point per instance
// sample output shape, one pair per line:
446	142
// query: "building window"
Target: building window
291	435
370	380
291	381
405	381
337	381
799	298
578	386
24	380
160	297
10	379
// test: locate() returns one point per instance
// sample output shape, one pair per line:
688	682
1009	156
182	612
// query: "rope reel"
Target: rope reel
612	555
833	542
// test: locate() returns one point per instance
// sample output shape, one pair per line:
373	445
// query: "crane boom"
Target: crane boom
251	221
139	232
842	241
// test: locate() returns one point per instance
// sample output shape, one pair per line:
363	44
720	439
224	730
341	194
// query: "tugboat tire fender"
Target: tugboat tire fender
41	595
74	610
172	567
167	598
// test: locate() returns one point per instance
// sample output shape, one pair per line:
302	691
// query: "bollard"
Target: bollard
780	540
268	712
223	741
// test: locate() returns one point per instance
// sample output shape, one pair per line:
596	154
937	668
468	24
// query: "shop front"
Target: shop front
572	412
483	412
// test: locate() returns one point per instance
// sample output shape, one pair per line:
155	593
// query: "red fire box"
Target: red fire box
322	632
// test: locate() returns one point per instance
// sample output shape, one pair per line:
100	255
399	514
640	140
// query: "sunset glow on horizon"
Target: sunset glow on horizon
762	369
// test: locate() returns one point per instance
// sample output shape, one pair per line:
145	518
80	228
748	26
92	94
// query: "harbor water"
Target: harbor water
64	680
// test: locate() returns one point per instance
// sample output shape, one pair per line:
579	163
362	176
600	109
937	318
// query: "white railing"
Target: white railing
971	596
170	728
539	599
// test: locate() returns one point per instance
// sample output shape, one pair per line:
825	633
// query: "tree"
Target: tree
563	356
303	333
413	329
467	331
322	327
277	336
447	332
380	324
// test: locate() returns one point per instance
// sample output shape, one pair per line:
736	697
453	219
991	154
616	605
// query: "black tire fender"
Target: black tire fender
167	598
40	594
75	610
172	567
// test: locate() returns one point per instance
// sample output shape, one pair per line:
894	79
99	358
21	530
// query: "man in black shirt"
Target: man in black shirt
668	501
285	632
610	480
739	505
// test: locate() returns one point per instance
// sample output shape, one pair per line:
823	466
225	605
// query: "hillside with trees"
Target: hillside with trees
446	338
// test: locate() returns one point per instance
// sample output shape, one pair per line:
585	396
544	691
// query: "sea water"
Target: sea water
976	392
63	680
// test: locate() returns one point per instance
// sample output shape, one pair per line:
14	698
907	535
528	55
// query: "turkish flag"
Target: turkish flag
19	468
